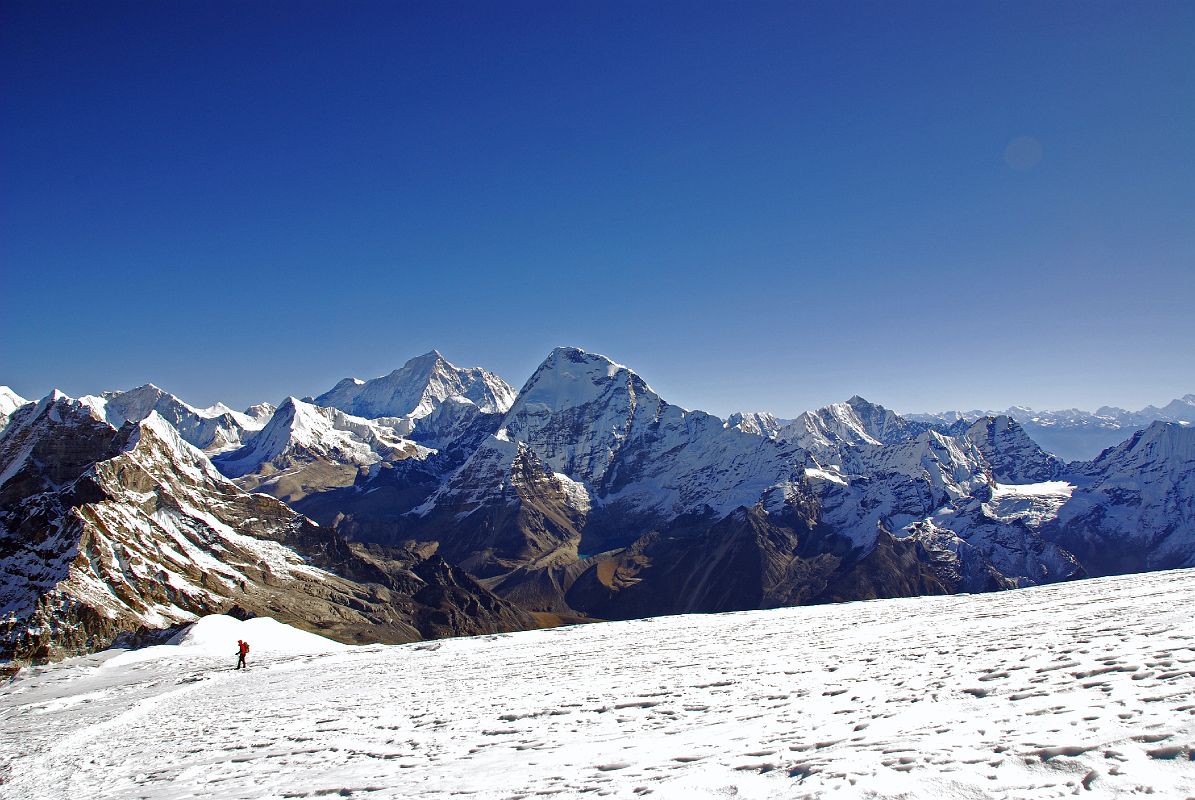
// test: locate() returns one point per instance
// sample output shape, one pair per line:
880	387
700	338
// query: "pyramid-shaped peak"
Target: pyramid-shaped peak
1171	443
571	377
10	401
575	355
430	358
572	364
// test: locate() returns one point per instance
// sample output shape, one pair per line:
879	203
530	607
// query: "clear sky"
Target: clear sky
755	205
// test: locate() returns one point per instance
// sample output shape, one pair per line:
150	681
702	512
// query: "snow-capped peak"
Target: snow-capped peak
306	432
570	378
213	429
419	388
760	423
1012	454
10	401
158	436
825	431
1169	443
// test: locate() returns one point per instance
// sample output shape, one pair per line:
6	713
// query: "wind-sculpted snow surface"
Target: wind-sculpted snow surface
1083	688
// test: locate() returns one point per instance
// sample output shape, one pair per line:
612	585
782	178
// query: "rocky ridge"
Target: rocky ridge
108	535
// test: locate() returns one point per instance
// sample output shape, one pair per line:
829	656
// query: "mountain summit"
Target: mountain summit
421	386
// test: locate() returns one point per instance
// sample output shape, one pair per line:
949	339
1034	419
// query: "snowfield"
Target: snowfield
1085	688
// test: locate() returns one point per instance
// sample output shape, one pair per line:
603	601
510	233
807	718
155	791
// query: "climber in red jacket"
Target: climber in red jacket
242	651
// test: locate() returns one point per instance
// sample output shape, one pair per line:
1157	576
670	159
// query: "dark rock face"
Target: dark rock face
109	535
1013	456
749	560
530	519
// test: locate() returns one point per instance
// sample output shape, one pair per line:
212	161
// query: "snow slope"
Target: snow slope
10	401
1084	688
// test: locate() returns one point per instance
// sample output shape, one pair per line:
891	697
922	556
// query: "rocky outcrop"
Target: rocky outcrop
750	559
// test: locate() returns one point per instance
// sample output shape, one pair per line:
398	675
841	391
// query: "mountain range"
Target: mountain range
1074	434
439	501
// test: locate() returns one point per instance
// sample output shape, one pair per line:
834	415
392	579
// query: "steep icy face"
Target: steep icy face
1013	456
135	530
888	488
214	429
1134	505
831	431
10	401
760	423
882	424
417	390
579	409
827	431
307	448
599	423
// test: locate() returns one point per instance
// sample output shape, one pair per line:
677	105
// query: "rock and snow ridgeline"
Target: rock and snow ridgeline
585	494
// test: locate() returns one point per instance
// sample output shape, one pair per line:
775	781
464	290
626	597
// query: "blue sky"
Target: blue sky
754	205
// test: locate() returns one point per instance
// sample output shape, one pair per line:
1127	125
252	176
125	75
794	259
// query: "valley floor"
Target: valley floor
1082	689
